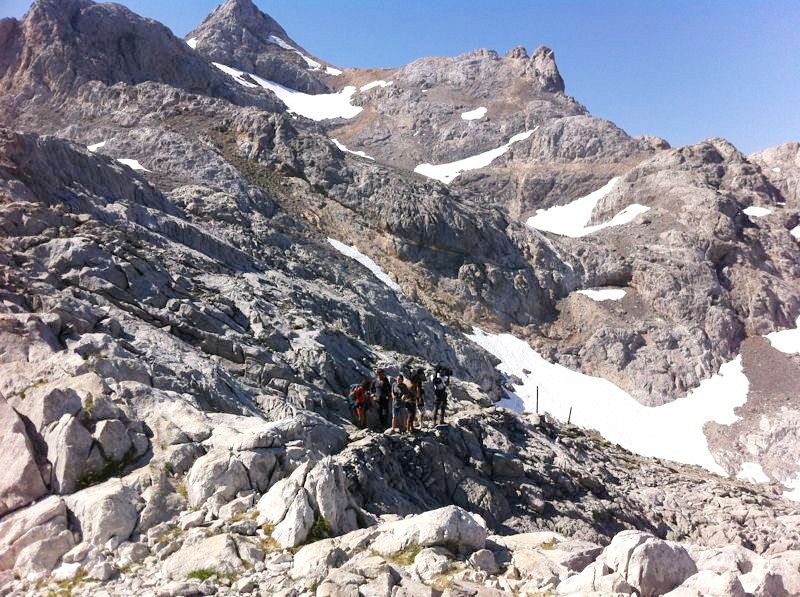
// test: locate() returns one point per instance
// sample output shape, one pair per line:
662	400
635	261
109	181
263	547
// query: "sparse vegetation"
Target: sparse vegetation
405	557
319	530
268	543
112	468
201	574
548	545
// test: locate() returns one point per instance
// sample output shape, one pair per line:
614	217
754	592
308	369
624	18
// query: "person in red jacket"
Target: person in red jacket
362	399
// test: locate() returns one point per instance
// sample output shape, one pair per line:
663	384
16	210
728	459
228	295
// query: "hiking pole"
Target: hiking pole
537	400
569	416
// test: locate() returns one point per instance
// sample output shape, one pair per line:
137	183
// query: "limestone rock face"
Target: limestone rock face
238	34
21	482
178	335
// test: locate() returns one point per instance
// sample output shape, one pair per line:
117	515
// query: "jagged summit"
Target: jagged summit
60	46
239	35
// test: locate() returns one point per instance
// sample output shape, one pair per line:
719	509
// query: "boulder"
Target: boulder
218	472
533	565
217	553
21	481
326	485
451	526
34	538
656	567
112	435
68	446
484	560
105	512
293	529
273	505
431	562
314	560
598	578
709	584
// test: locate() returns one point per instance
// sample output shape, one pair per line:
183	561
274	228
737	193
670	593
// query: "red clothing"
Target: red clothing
361	396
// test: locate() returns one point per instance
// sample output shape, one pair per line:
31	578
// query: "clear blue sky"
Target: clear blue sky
681	69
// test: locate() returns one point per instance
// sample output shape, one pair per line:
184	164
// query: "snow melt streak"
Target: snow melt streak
603	294
673	431
322	106
354	253
787	341
475	114
342	147
572	219
447	172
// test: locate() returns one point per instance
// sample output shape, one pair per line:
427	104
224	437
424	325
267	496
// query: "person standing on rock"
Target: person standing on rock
399	393
383	392
418	393
439	397
362	398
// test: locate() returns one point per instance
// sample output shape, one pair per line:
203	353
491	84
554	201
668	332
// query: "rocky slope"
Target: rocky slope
177	334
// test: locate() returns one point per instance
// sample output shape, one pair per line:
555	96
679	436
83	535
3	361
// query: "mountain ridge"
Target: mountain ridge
178	332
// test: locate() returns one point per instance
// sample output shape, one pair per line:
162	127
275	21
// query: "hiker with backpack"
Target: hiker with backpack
400	394
418	394
383	393
362	398
439	396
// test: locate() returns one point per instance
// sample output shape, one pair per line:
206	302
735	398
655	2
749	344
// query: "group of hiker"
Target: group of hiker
401	401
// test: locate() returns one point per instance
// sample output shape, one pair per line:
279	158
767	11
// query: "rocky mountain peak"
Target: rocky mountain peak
239	35
60	46
544	63
244	13
518	53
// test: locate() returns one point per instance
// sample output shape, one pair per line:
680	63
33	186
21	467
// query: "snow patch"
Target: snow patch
794	489
795	232
316	107
238	76
374	84
192	43
132	164
354	253
787	341
572	219
776	169
673	431
475	114
757	212
312	64
96	146
447	172
752	471
358	153
603	294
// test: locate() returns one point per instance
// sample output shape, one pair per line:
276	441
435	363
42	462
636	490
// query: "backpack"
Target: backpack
438	385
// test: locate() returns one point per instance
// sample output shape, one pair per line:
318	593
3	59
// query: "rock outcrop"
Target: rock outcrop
178	336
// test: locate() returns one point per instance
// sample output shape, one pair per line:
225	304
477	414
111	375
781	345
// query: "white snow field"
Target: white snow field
192	43
752	472
572	219
354	253
795	232
447	172
312	64
673	431
133	164
757	212
93	148
475	114
787	341
342	147
374	84
603	294
322	106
